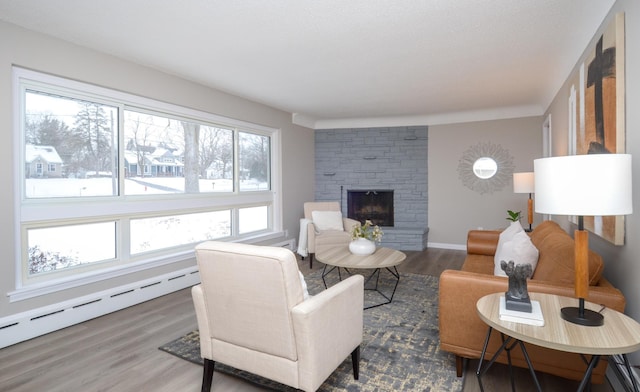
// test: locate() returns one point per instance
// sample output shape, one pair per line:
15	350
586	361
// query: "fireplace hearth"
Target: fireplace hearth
374	204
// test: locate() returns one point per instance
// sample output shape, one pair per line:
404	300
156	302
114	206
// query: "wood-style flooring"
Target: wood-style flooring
119	351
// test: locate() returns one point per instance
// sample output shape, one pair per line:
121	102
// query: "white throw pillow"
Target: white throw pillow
520	250
506	236
327	220
305	291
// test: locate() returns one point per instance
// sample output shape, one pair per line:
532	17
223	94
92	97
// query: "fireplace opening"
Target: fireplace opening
374	205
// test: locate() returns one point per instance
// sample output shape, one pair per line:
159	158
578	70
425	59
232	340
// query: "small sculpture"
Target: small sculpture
517	297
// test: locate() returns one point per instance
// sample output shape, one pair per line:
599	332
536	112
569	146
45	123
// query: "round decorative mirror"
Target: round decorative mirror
485	167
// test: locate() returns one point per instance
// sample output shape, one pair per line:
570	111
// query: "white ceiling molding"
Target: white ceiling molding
436	119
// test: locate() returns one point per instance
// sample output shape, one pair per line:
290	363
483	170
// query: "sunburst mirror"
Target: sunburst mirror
486	168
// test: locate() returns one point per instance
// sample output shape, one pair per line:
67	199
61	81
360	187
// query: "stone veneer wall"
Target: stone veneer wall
378	158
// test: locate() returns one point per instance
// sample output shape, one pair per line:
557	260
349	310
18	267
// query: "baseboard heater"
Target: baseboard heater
36	322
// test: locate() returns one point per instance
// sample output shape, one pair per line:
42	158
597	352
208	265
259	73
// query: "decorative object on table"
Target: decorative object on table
399	348
364	238
517	296
583	185
597	111
485	167
514	244
513	216
525	183
362	247
534	317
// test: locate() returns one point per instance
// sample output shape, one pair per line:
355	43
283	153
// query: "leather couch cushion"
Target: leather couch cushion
479	264
556	262
542	230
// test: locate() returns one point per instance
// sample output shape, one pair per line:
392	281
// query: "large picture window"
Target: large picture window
75	141
109	179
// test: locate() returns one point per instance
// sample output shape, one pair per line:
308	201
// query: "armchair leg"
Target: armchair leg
310	260
355	359
207	375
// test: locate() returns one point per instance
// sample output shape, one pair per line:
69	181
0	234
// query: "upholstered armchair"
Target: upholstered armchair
252	316
328	227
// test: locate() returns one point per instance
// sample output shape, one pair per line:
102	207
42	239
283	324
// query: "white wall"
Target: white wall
455	209
622	263
45	54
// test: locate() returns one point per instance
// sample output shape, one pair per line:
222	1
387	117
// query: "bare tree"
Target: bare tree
191	163
215	147
254	156
139	142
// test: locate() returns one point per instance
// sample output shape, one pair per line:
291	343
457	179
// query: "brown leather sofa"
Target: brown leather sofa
463	333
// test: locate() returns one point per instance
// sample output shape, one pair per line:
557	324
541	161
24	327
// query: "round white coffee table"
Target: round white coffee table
337	257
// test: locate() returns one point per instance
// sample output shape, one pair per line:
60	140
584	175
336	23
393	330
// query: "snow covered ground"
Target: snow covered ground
104	186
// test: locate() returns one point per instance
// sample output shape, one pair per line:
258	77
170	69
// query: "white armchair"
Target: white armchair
252	316
317	235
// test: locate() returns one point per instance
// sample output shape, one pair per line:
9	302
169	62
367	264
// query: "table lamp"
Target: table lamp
583	185
524	183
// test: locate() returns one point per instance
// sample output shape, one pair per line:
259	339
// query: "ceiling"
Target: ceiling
335	62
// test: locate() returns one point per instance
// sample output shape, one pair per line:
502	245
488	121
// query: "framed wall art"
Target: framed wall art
597	112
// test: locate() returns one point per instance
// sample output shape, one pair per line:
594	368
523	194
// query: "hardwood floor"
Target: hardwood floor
119	351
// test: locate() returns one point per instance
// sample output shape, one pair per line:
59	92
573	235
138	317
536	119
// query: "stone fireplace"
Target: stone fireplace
391	161
374	205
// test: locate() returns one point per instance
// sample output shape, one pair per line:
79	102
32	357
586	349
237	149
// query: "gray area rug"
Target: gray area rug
400	350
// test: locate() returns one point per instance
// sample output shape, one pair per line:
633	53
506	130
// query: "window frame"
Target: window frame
38	213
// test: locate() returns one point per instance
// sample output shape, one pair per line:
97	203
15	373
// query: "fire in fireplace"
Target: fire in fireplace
374	205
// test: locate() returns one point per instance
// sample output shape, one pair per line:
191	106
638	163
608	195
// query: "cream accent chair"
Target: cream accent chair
316	237
252	316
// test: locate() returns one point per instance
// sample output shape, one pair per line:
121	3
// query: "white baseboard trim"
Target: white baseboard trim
36	322
441	245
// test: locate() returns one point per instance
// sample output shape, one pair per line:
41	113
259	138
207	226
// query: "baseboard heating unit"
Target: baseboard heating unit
36	322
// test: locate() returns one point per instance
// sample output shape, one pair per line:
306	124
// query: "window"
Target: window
152	234
176	155
78	134
254	162
58	248
111	180
253	219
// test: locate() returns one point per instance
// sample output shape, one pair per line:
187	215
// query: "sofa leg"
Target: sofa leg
355	359
459	361
207	375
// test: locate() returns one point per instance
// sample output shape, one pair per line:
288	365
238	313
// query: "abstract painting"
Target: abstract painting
597	117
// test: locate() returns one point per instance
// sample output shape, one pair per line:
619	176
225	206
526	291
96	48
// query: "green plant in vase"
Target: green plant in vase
513	216
367	231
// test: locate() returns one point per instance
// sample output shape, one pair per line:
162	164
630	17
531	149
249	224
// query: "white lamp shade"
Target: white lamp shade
587	185
523	182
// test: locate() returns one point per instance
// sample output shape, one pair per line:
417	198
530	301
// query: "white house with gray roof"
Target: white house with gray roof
42	161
